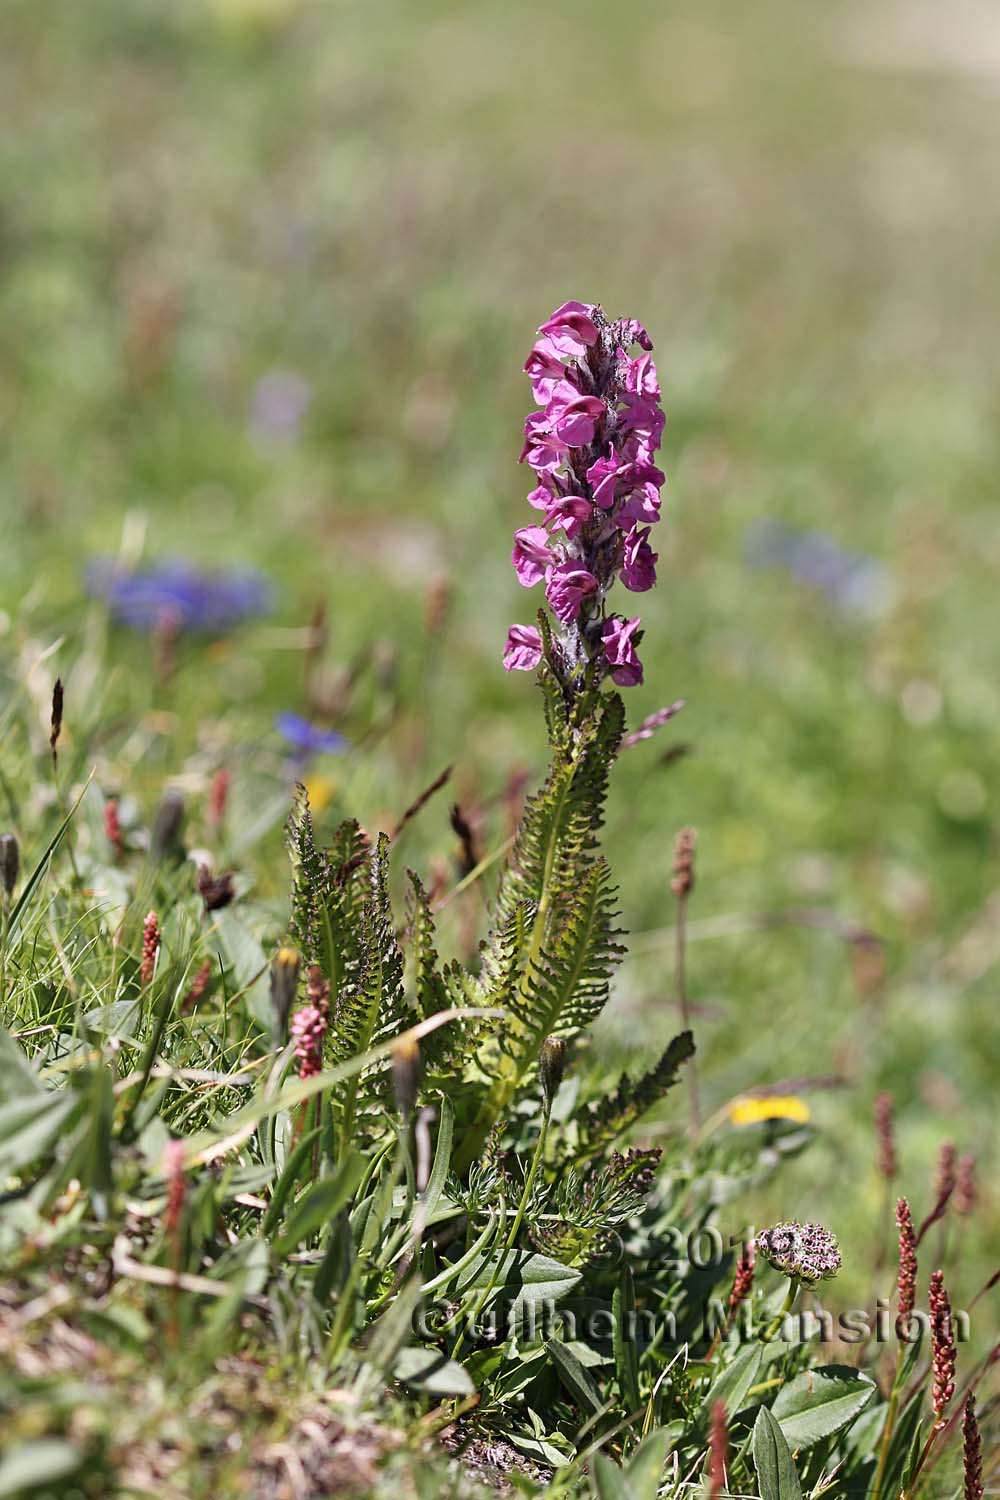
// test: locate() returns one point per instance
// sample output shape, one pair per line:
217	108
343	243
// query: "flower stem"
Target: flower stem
786	1307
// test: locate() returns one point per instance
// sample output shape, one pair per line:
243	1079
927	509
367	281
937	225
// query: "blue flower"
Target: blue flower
176	593
307	738
852	582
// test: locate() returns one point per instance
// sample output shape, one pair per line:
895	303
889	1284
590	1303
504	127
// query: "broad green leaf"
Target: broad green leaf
442	1161
818	1403
30	1125
17	1076
733	1385
772	1458
529	1281
578	1382
247	965
321	1203
645	1467
429	1370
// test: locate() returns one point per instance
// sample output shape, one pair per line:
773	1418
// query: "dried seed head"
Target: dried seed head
55	725
682	883
551	1067
173	1165
907	1279
218	797
10	864
966	1193
216	891
150	947
942	1347
406	1072
284	985
887	1163
718	1451
167	824
198	986
972	1451
804	1252
437	604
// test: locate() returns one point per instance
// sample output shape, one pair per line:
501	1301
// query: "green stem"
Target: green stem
890	1422
786	1307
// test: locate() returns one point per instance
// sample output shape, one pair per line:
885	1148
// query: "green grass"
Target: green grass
387	198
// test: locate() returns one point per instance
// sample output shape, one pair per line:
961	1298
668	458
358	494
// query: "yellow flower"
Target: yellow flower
768	1107
321	790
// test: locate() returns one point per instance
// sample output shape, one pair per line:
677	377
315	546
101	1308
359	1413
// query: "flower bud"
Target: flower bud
10	864
551	1067
406	1074
284	984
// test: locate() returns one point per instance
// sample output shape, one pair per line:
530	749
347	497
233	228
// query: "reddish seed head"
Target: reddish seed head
309	1024
218	798
972	1452
966	1194
743	1279
173	1161
942	1347
113	828
907	1280
198	986
886	1136
150	947
718	1452
682	883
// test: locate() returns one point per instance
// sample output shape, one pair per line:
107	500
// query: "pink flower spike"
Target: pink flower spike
649	725
626	668
638	562
571	329
567	584
531	556
523	650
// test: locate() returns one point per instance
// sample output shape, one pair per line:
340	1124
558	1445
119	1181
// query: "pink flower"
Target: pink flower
542	449
626	668
641	378
569	513
566	585
614	477
545	369
638	561
571	329
642	505
523	650
573	417
643	422
531	556
604	476
635	333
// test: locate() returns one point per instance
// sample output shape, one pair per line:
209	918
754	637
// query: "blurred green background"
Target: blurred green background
268	273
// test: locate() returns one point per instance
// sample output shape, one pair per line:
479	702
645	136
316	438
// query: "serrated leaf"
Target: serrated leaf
772	1458
818	1403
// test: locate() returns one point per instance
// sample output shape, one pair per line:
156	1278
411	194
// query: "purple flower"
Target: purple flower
307	738
531	556
591	447
523	650
572	417
566	585
638	561
626	668
179	594
545	370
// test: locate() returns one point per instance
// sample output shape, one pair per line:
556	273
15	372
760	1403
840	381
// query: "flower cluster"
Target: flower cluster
942	1347
310	1023
806	1252
907	1279
150	947
591	445
177	594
